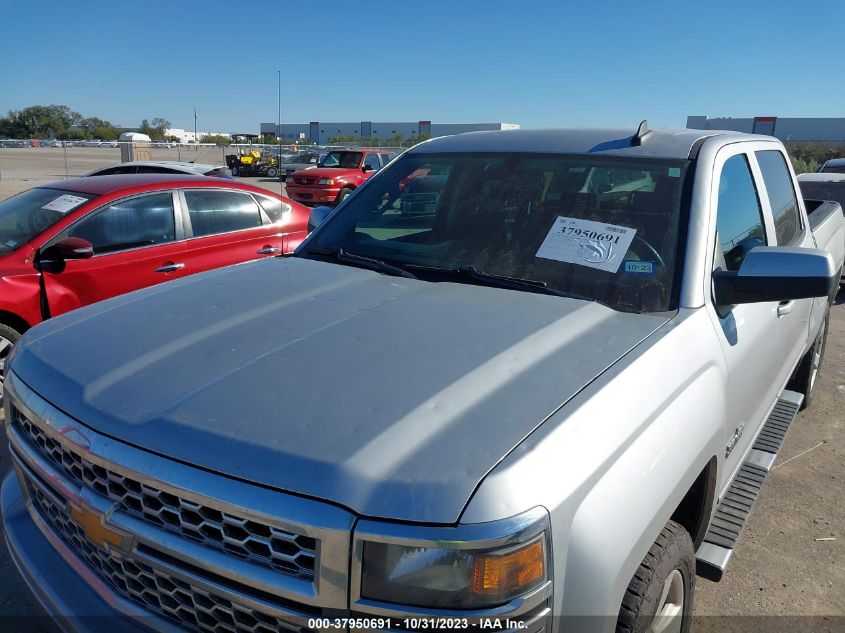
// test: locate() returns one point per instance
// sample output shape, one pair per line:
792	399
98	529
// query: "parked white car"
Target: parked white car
163	167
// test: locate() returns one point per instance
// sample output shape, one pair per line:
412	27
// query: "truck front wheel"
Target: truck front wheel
659	597
342	195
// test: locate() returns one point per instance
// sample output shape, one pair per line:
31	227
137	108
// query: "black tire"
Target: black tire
342	195
672	552
272	172
805	378
235	170
8	337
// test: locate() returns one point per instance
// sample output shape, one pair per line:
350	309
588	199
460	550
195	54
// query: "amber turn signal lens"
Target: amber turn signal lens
504	575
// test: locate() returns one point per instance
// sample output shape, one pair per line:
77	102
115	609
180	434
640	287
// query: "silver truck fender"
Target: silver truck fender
608	505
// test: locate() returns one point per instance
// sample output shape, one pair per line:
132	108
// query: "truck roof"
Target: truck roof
662	142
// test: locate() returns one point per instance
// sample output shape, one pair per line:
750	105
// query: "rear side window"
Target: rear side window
132	223
275	209
219	172
739	218
116	170
781	195
214	212
155	169
371	160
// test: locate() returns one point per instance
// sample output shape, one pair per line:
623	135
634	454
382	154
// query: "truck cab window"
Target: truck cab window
739	217
372	161
781	195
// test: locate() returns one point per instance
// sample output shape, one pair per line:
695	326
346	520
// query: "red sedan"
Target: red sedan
71	243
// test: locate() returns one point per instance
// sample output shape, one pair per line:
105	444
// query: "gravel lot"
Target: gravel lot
780	567
24	168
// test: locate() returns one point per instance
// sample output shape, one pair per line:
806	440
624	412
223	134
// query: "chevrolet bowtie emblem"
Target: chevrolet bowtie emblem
96	528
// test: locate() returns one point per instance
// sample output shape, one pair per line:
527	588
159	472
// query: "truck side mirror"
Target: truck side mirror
777	273
318	215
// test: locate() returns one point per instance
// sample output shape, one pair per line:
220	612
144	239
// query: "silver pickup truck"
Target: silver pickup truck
544	401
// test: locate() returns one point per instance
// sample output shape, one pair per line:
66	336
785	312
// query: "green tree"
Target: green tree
160	126
419	138
217	139
96	127
39	121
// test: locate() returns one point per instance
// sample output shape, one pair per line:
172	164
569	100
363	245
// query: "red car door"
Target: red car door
227	227
138	242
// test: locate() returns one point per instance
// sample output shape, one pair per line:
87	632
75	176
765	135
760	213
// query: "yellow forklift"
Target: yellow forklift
251	162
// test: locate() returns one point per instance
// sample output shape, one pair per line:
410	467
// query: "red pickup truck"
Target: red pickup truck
69	244
338	175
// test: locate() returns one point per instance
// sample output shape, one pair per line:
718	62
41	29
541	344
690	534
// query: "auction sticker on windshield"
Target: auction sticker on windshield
587	243
64	203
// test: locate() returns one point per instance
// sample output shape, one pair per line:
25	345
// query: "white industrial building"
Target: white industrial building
320	132
786	129
186	136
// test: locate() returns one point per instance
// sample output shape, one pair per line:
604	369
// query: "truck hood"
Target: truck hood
330	172
390	396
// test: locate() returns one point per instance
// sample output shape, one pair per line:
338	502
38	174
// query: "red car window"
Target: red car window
131	223
216	211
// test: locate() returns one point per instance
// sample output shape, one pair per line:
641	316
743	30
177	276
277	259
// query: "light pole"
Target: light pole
196	140
279	134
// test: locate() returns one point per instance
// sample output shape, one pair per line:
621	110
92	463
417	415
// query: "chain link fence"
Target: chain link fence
36	162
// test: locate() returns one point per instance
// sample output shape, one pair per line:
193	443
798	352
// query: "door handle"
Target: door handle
169	268
269	250
785	307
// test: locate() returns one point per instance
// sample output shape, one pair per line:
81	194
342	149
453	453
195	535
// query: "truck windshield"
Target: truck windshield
24	216
603	228
343	160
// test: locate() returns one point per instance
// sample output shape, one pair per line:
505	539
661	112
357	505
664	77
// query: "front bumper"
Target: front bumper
312	195
63	585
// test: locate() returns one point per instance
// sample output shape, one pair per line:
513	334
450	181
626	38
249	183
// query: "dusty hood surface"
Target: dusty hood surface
391	396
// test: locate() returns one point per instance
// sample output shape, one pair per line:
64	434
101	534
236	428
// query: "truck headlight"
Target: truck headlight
452	575
326	181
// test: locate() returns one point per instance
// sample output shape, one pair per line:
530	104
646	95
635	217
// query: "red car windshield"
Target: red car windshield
24	216
342	160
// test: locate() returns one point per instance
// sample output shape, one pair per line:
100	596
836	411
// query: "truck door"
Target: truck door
755	338
789	231
136	244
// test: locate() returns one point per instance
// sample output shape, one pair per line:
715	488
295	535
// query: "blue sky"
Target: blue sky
536	63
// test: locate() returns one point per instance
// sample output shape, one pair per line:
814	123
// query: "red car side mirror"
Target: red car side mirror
53	258
74	248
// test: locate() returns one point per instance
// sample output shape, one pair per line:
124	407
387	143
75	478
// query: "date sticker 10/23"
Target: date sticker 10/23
639	267
587	243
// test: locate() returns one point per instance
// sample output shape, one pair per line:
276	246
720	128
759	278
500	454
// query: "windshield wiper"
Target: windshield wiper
366	262
498	281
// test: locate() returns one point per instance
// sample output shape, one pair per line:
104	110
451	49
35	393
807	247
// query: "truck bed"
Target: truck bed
828	226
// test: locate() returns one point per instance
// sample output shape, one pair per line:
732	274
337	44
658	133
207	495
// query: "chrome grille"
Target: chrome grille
154	589
287	552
